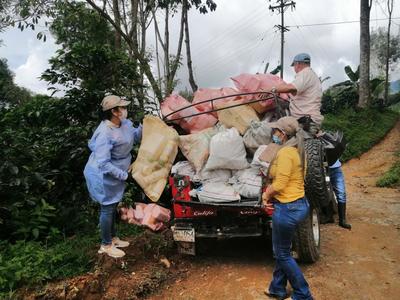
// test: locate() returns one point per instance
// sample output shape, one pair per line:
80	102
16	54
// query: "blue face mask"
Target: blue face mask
277	140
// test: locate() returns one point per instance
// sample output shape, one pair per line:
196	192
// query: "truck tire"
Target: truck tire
318	189
307	238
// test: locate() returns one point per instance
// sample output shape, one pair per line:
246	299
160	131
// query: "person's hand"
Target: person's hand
266	197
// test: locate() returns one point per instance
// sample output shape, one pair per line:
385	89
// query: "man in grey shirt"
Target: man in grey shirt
306	89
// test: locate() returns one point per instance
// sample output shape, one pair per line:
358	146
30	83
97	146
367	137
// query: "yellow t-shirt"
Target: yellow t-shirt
287	175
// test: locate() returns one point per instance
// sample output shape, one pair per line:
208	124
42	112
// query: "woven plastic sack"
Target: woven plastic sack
227	151
157	152
255	82
217	192
247	182
221	175
239	117
257	162
259	133
196	147
191	123
208	94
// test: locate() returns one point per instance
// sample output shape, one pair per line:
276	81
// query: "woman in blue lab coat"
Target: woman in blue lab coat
107	168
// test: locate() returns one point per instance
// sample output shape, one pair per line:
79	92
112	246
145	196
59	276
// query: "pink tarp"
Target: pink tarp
246	83
192	124
151	215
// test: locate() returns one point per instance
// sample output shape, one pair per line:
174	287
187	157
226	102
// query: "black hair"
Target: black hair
105	115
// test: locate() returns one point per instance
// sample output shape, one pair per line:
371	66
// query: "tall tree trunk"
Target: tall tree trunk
117	18
364	90
192	82
390	10
166	51
132	42
175	63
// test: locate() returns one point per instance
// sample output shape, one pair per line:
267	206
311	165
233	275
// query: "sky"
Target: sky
239	37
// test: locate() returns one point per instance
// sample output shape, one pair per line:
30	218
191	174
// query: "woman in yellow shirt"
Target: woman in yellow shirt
286	195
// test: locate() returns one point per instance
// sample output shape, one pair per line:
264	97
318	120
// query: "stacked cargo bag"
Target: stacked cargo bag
184	168
208	94
247	182
214	192
227	151
196	147
239	117
190	122
259	133
247	83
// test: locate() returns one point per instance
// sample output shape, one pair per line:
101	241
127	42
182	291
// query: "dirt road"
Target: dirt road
363	263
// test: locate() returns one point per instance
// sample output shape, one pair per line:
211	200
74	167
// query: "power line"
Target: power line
337	23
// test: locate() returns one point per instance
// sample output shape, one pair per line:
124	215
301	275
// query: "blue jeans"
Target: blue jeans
107	223
286	218
337	181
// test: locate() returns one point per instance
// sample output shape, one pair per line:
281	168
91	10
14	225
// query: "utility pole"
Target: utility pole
281	7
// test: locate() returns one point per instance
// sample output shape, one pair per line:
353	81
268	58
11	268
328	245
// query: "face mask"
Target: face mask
277	140
124	115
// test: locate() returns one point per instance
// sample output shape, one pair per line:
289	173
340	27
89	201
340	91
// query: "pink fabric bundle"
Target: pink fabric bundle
247	83
193	124
207	94
151	215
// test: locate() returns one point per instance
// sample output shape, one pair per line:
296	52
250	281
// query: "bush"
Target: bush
392	177
362	129
339	97
32	263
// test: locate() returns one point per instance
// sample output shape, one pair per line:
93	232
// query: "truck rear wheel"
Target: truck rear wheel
307	238
317	185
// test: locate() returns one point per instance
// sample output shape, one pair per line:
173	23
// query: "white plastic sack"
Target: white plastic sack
248	182
213	176
227	151
259	133
217	192
256	162
183	168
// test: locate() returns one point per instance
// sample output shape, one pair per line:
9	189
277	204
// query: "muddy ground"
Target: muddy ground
359	264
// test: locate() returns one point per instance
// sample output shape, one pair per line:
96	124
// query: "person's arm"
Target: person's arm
102	151
284	88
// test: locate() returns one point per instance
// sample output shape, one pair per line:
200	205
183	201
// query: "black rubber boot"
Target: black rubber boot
342	216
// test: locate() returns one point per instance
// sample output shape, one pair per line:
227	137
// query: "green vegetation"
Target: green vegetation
361	129
31	263
392	177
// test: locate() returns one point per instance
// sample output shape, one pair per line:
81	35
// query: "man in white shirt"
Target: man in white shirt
306	89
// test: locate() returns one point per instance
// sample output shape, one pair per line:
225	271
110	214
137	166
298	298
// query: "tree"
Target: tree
131	25
10	94
390	11
379	54
364	90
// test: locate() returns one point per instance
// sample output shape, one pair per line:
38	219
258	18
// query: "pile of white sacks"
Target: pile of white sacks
227	166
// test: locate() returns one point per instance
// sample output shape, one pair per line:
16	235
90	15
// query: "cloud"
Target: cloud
28	74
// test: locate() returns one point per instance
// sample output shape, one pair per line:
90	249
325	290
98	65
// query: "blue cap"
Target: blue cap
302	57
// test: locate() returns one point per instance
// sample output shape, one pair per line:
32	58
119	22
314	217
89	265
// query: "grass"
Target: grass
32	263
362	129
392	177
395	107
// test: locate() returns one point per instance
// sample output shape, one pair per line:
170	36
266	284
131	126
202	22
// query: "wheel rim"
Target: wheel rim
315	227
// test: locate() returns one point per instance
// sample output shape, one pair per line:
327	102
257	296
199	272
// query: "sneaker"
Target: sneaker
119	243
111	250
